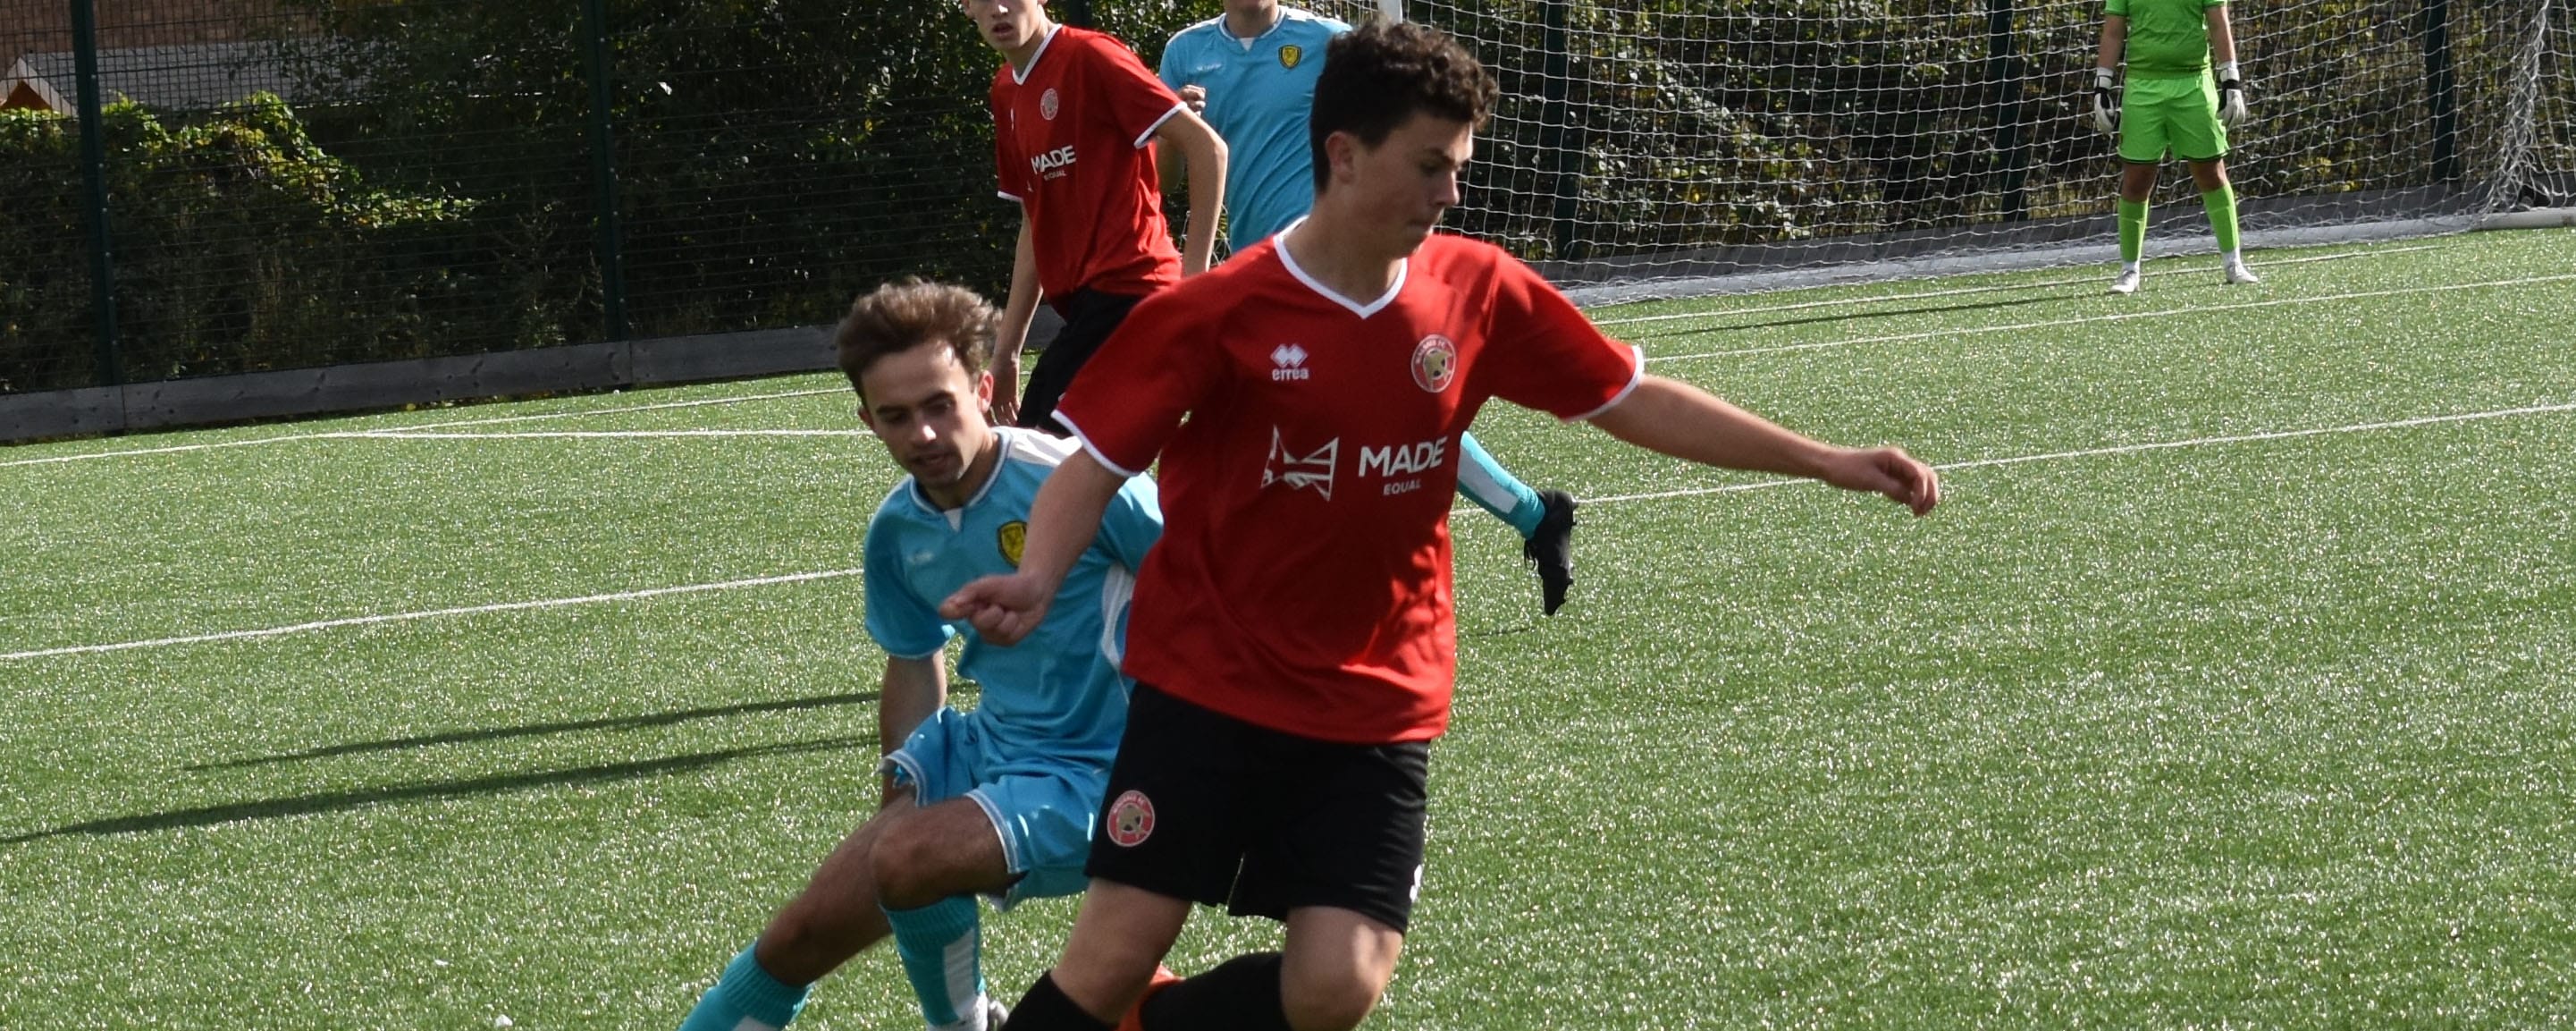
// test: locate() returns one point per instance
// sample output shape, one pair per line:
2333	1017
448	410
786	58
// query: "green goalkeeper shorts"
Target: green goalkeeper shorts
2180	115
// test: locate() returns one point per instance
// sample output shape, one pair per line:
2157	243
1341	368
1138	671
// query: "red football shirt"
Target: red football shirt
1072	141
1302	582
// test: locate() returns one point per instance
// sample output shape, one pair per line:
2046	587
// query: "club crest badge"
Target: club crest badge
1435	363
1291	54
1131	819
1047	104
1013	540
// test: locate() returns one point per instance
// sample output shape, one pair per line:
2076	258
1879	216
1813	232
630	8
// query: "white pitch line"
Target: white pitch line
2130	449
361	434
1958	291
2115	317
176	449
2427	420
515	606
701	403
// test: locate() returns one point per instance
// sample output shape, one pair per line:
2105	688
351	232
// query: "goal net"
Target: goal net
1641	143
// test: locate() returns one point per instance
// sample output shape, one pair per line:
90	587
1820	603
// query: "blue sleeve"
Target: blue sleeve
1133	522
902	623
1170	67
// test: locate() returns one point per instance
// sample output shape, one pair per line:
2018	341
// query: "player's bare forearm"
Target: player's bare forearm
2222	36
1206	155
2115	37
912	690
1063	519
1013	334
1685	422
1022	305
1170	165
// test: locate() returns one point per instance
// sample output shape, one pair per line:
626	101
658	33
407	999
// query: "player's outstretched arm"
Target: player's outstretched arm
1686	422
1206	156
1062	521
1014	332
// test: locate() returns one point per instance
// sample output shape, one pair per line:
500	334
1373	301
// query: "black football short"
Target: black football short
1206	807
1089	317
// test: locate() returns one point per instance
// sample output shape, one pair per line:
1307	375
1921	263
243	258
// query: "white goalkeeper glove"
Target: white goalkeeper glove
2231	96
2106	101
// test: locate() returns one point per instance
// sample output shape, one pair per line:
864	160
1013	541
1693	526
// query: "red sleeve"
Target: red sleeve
1006	160
1158	366
1542	353
1136	99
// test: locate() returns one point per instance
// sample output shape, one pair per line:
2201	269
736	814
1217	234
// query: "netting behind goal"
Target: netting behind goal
1650	140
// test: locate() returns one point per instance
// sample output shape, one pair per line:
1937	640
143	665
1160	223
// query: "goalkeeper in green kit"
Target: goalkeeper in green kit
2173	104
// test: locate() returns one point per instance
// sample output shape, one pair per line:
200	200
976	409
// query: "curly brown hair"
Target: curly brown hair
903	315
1379	74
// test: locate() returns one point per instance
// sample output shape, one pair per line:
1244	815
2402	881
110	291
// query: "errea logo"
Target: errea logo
1291	362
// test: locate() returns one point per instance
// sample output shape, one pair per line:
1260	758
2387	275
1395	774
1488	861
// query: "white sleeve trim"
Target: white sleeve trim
1634	378
1092	449
1007	195
1148	135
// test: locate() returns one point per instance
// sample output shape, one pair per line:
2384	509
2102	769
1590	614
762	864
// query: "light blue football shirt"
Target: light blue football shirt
1058	694
1259	92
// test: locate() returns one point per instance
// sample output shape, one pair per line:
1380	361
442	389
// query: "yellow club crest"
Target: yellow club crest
1014	539
1290	55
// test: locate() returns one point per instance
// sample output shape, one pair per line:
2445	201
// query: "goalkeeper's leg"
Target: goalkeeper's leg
2137	183
2218	197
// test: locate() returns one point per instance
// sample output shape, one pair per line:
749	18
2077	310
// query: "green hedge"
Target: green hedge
239	245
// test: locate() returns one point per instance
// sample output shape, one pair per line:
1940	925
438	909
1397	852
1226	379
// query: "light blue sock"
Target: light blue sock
1494	489
746	992
942	949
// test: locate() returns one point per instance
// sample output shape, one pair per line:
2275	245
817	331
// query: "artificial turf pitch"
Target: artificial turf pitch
2230	686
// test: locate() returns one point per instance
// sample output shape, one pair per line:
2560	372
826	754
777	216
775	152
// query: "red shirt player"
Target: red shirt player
1075	115
1292	632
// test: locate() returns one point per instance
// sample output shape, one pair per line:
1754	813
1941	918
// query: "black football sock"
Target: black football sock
1047	1008
1241	993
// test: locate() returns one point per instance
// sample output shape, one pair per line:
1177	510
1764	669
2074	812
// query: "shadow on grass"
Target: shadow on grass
338	801
658	719
1846	316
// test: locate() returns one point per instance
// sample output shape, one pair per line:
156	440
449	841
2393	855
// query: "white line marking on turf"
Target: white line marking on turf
829	574
360	434
474	610
700	403
2114	317
2127	449
2050	284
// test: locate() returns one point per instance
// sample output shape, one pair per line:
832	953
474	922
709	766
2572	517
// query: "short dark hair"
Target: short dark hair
903	315
1379	74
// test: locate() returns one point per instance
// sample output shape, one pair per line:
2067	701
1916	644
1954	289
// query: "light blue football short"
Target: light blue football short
1042	806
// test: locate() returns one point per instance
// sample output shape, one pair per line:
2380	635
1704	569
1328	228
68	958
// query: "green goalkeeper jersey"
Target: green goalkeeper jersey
2168	39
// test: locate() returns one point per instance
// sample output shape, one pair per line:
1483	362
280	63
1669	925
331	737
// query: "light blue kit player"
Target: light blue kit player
999	801
1251	74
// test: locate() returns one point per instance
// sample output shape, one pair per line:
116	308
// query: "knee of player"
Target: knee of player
1335	999
904	861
